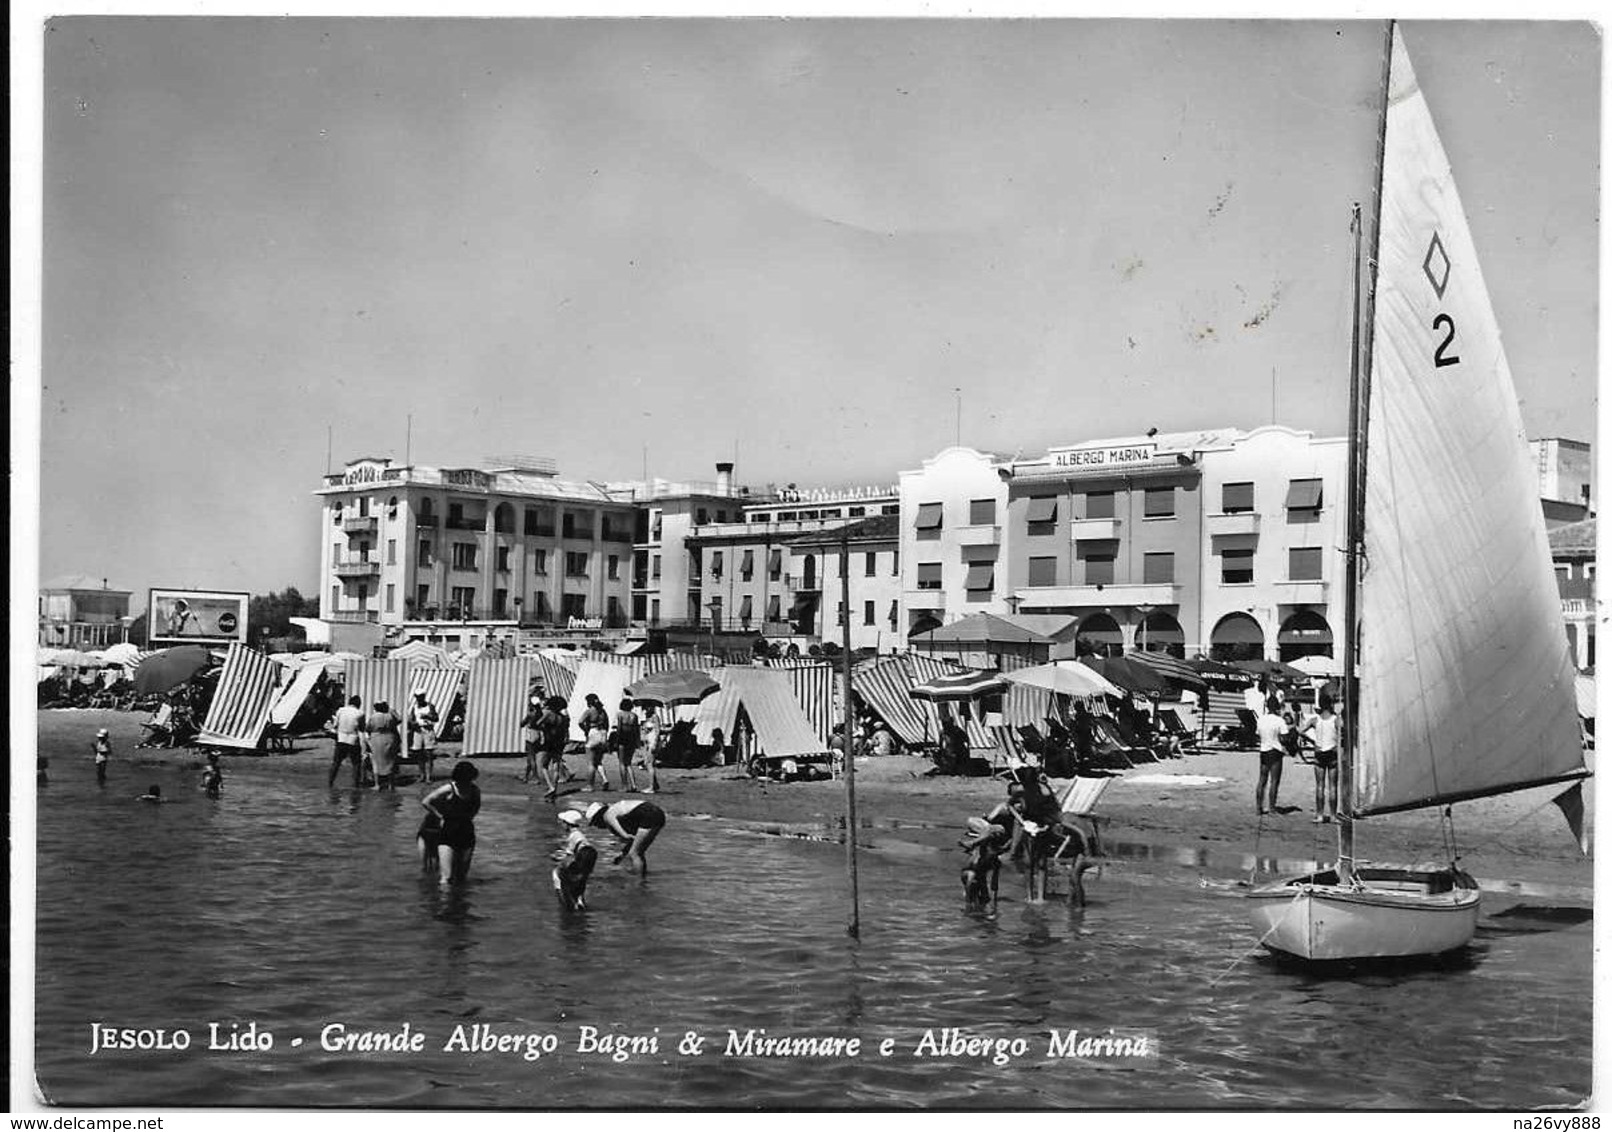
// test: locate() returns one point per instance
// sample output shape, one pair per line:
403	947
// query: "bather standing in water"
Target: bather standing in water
636	822
385	742
447	836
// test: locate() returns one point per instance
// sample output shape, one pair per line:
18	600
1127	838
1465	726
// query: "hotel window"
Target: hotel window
503	558
529	521
871	564
700	515
335	554
981	512
540	603
1097	561
1236	567
335	512
456	515
654	566
929	575
746	610
576	524
391	508
775	563
1044	571
1304	563
1236	498
540	561
1041	514
895	614
464	556
464	601
1099	505
774	607
868	616
716	563
857	512
747	565
613	567
391	552
335	598
890	509
574	605
422	598
1159	503
980	580
929	520
391	596
1158	569
1303	500
576	564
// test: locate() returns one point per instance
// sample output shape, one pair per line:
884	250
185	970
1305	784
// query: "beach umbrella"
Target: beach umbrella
1219	676
70	658
1177	671
1317	665
1131	675
164	671
672	687
960	686
1274	669
1066	678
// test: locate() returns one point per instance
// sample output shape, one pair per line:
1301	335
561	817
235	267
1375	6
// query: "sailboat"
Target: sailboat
1458	680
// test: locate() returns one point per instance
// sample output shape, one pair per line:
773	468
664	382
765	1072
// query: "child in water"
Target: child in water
576	861
212	779
153	794
985	842
103	753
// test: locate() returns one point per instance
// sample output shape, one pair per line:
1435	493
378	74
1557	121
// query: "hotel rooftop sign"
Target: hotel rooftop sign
1111	456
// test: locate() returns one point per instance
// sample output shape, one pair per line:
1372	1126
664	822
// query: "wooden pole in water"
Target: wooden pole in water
854	928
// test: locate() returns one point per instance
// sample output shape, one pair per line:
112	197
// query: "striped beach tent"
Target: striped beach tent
495	702
294	694
441	686
420	651
768	698
882	687
240	707
558	678
605	679
375	680
817	690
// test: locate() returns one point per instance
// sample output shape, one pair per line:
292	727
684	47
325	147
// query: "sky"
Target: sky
267	243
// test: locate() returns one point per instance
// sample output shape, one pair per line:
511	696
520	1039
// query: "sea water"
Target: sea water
285	930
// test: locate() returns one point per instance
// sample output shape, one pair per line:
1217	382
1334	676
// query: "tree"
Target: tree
273	612
137	632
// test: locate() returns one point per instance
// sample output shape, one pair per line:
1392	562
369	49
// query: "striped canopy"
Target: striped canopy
249	683
1177	671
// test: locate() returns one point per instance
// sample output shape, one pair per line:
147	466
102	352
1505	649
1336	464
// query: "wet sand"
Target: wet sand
1517	837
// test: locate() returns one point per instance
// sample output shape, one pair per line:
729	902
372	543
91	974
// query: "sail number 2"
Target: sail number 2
1436	268
1440	358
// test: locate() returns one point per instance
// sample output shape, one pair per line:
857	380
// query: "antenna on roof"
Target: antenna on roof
408	441
329	433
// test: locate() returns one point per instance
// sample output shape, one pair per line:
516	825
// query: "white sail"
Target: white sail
1466	686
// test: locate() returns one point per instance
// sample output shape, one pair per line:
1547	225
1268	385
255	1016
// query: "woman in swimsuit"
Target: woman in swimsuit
447	837
635	822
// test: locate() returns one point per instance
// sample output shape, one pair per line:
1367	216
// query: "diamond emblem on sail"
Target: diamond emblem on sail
1437	274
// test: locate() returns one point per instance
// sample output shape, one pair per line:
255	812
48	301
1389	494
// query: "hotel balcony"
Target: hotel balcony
358	565
982	534
1107	594
1085	529
360	524
353	616
1237	523
924	599
466	523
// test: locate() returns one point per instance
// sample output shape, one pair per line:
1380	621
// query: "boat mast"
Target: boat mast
1359	407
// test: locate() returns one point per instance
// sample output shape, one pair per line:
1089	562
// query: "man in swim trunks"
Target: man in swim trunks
348	723
1272	731
1323	731
635	822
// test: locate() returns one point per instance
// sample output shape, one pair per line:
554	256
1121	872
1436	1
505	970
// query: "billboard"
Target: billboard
175	617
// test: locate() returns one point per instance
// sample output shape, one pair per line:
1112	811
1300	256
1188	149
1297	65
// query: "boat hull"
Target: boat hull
1393	912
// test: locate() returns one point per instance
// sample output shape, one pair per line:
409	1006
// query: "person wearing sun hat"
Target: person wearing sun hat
576	858
984	841
636	822
103	753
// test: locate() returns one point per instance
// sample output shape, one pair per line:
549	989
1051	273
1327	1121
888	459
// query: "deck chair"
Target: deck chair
156	731
1246	737
1107	731
1171	723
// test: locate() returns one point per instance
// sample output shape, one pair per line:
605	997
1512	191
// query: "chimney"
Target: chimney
724	478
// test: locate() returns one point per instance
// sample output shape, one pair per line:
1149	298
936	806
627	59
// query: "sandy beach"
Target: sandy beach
1196	811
